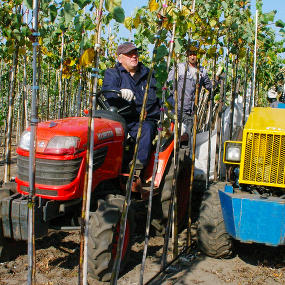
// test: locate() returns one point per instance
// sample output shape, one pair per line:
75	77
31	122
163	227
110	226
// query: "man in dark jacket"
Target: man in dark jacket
191	78
130	77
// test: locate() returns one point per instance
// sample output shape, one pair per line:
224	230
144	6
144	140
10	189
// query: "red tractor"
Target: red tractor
59	179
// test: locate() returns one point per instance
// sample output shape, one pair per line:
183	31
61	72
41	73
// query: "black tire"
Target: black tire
213	238
103	235
3	241
182	186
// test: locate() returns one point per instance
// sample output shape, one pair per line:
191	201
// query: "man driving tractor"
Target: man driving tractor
129	76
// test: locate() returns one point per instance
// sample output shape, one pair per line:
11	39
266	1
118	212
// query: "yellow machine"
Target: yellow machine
262	156
252	209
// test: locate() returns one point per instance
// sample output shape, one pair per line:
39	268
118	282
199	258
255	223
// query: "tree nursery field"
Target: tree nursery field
74	206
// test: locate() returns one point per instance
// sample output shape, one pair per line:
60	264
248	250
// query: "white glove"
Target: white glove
127	94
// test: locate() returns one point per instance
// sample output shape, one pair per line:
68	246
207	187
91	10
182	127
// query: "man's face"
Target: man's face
192	58
129	60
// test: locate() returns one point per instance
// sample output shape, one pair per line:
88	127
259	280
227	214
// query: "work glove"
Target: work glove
127	94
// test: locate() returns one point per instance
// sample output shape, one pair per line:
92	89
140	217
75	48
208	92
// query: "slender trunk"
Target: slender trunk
211	103
252	95
219	121
195	120
10	116
224	100
245	87
48	92
32	159
1	72
60	89
234	94
19	110
24	96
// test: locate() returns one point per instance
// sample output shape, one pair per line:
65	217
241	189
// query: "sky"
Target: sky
268	5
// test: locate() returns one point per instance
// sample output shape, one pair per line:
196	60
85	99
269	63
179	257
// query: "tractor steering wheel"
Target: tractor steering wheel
105	106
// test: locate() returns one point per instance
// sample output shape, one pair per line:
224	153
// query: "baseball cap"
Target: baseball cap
125	48
193	47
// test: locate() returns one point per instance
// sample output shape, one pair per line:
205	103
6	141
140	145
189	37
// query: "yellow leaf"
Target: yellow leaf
128	23
170	11
72	62
40	41
153	6
22	51
100	82
87	57
185	11
136	21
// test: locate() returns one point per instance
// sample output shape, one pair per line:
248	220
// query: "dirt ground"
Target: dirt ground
57	257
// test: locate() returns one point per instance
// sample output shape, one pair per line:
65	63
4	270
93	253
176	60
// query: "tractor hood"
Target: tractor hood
69	135
267	120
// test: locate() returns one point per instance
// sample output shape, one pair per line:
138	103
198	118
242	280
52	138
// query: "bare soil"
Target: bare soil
57	257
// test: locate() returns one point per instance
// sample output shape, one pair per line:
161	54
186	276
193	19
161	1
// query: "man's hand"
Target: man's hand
127	94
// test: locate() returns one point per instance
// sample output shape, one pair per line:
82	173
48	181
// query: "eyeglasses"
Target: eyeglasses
131	53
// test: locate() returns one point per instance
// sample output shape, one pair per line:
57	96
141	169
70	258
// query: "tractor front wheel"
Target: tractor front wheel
104	231
213	238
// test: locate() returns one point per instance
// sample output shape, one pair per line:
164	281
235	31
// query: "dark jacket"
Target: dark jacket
118	78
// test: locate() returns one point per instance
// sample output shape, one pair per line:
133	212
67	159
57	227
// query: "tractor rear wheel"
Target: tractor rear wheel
182	187
103	237
3	242
213	238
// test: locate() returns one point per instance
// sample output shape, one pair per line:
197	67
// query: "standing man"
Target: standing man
130	77
189	96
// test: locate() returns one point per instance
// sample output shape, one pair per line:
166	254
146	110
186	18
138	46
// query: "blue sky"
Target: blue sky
268	5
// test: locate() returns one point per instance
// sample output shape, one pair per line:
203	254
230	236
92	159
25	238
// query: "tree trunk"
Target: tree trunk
10	117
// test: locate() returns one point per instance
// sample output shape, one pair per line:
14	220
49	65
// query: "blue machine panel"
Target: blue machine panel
249	218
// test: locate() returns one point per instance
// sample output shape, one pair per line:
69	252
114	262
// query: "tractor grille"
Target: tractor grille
264	159
48	171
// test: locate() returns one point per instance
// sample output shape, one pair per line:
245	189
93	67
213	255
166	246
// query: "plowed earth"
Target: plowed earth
57	257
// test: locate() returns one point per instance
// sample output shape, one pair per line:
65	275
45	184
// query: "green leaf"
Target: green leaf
69	13
213	23
111	4
28	4
82	3
280	24
225	5
119	14
52	12
161	52
89	25
17	34
234	26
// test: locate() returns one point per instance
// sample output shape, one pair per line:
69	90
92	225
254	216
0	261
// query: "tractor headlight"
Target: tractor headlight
25	140
62	144
232	152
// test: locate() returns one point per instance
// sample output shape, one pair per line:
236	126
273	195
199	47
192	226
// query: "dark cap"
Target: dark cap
192	48
126	48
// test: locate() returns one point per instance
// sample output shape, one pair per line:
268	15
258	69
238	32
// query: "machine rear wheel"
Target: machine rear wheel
213	238
103	237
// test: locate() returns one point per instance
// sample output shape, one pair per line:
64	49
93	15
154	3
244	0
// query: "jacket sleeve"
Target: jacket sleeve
205	80
111	81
